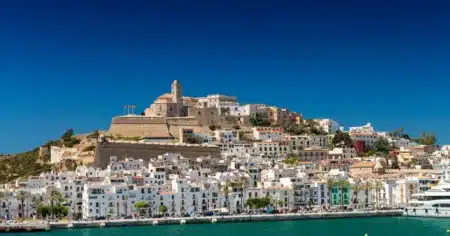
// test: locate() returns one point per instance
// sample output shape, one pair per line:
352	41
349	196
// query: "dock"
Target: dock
24	227
222	219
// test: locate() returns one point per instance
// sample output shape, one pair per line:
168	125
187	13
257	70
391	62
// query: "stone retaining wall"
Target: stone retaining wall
148	151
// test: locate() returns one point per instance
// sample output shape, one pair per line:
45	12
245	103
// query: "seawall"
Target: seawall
224	219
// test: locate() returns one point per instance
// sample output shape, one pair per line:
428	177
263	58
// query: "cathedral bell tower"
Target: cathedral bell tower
177	97
176	91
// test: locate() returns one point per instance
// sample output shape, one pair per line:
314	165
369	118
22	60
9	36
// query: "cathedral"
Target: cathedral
169	104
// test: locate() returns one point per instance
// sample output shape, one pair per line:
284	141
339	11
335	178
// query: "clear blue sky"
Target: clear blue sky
74	64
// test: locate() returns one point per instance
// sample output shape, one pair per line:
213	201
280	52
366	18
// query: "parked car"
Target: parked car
209	213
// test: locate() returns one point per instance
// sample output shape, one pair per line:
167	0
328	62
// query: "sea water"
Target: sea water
377	226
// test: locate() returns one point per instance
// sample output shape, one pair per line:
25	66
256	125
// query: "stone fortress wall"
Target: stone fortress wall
147	151
199	120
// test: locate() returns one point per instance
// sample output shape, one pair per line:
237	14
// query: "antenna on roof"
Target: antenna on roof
129	109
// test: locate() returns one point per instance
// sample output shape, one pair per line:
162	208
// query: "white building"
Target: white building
217	100
274	149
343	153
267	133
300	142
401	142
367	128
368	138
328	125
226	135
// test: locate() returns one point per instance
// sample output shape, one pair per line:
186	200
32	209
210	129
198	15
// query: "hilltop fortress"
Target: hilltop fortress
171	112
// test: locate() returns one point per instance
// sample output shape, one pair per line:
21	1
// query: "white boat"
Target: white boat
433	203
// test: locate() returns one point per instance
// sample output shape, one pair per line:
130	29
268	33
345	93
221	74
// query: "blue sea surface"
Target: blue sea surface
383	226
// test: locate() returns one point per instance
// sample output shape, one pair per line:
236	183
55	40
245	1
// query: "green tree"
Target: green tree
60	211
330	184
427	139
241	135
94	134
68	139
212	127
370	153
290	161
54	196
259	120
162	209
258	203
71	142
89	148
280	203
341	139
67	135
236	127
141	206
382	145
295	129
22	196
394	163
405	136
194	140
397	133
43	211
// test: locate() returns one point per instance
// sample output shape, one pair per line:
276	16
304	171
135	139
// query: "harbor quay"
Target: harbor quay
223	219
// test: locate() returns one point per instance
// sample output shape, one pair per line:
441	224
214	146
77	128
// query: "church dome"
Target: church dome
165	98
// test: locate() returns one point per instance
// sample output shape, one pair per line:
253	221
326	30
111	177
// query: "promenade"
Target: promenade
222	219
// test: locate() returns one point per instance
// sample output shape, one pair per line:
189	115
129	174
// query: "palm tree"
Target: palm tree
54	196
378	186
242	185
36	202
342	184
59	201
356	187
126	205
22	196
367	186
117	209
330	184
226	192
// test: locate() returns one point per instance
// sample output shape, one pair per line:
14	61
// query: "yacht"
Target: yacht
433	203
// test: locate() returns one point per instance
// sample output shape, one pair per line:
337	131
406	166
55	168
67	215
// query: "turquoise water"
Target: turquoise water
399	226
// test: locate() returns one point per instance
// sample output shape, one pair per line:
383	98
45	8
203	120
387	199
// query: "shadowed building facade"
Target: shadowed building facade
147	151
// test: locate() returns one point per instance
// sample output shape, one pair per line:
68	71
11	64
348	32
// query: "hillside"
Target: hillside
22	165
37	160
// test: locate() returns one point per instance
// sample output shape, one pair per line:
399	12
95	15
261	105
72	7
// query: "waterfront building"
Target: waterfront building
340	196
